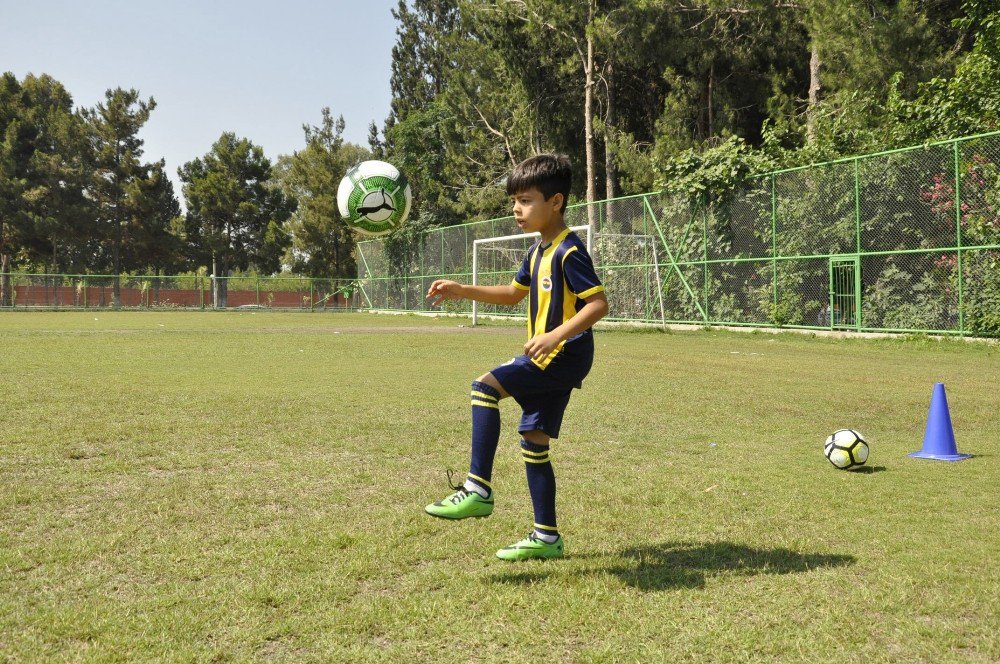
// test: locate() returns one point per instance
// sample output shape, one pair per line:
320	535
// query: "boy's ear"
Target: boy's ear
558	199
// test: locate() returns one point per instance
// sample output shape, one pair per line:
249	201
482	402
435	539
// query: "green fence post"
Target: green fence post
704	227
312	298
958	238
201	293
257	284
774	246
84	292
857	293
829	303
857	241
857	206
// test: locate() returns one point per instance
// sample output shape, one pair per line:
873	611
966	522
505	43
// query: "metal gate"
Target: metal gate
844	309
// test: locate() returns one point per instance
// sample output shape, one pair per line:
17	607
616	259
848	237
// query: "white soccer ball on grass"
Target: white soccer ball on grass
846	449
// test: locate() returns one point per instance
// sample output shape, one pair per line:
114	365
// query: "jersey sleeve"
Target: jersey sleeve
522	279
580	275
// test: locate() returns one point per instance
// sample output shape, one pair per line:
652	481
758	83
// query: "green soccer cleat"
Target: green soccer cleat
532	547
461	505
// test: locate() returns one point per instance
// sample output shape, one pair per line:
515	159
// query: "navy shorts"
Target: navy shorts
543	394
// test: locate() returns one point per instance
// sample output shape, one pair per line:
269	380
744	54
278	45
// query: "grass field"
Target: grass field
202	486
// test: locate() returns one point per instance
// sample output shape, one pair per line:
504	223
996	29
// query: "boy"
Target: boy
565	299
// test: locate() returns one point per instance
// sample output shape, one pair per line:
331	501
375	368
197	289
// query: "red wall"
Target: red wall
98	296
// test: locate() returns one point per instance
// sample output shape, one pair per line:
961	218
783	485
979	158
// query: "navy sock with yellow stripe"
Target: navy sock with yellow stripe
485	434
542	485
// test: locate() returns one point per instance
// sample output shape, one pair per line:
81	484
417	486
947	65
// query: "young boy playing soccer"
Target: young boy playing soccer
565	299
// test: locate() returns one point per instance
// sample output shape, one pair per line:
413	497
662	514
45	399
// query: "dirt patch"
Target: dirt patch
414	329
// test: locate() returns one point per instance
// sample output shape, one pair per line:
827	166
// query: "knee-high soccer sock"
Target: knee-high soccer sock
542	484
485	436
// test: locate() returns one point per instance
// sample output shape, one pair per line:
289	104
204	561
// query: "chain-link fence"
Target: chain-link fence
906	240
62	291
903	241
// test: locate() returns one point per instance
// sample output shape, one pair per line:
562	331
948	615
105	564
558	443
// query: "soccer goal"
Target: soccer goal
631	274
495	260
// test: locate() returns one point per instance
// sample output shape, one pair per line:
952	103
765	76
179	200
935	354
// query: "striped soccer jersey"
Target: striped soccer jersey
558	276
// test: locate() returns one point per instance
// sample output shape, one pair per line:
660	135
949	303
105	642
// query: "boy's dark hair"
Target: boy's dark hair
549	173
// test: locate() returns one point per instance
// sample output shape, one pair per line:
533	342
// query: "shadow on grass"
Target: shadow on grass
687	565
868	470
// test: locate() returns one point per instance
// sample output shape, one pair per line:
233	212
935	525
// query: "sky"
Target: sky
259	69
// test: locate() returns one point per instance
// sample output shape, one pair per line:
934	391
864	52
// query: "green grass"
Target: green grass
200	486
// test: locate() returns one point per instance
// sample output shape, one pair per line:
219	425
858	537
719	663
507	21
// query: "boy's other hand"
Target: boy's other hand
443	289
539	346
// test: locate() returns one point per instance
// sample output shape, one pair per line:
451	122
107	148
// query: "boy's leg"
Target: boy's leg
486	395
475	497
544	541
541	484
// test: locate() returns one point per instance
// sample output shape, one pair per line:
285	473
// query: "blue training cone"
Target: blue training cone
939	438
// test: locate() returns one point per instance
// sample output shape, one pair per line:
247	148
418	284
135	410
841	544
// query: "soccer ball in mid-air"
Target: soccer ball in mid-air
846	449
374	198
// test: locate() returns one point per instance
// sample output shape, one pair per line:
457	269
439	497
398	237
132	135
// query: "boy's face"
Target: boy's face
533	213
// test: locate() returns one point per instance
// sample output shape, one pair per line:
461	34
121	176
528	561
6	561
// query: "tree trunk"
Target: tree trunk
711	118
336	254
588	121
220	283
610	170
6	293
6	284
116	260
215	282
56	281
814	87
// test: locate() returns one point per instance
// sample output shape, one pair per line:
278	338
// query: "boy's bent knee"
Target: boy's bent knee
488	379
536	437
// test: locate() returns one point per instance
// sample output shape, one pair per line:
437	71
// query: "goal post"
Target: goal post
510	249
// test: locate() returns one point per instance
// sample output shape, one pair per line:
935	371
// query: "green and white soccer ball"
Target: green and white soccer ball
846	449
374	198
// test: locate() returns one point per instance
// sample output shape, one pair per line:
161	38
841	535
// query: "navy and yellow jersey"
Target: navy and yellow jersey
558	277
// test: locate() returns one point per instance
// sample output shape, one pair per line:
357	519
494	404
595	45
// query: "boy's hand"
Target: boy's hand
539	346
443	289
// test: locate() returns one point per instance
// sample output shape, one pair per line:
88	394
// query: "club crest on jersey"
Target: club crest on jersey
546	284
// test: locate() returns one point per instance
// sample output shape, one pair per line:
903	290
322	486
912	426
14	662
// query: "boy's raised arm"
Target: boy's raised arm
444	289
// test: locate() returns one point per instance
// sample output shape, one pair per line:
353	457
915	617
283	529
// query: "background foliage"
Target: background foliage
684	96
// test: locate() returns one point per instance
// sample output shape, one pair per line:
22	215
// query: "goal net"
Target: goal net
629	267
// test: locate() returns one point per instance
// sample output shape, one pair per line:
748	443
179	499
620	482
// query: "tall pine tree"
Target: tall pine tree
236	214
114	126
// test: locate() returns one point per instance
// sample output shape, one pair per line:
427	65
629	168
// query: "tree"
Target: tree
15	153
114	136
43	212
153	223
565	33
60	212
424	57
660	81
322	244
235	211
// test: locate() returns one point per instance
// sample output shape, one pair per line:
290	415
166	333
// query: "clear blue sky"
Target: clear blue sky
260	69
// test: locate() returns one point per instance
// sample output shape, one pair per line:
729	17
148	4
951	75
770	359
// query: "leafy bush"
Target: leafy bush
900	300
982	296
